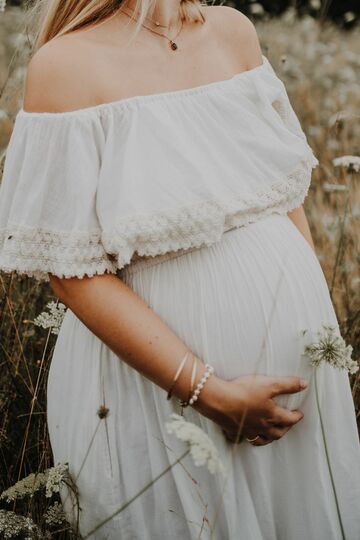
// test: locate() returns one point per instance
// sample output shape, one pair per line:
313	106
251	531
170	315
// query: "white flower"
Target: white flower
56	475
202	449
50	479
13	525
257	9
342	116
53	319
330	225
2	5
330	188
352	163
331	348
315	4
349	16
55	514
26	486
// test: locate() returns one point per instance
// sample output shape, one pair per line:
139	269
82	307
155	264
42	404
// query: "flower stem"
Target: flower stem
137	495
328	458
342	234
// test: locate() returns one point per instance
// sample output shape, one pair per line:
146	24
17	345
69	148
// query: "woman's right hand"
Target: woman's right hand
244	407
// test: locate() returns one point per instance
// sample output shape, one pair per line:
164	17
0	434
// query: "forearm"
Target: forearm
298	217
132	330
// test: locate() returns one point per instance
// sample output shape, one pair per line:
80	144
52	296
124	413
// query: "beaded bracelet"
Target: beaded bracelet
193	374
209	370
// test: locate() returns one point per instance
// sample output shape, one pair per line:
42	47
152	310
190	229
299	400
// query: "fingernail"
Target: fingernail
303	383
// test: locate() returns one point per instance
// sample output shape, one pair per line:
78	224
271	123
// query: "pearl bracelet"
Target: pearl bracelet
209	370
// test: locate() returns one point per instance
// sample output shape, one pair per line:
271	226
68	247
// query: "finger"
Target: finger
287	385
261	441
285	417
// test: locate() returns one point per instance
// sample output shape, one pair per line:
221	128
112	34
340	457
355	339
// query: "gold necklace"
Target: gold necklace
173	45
157	23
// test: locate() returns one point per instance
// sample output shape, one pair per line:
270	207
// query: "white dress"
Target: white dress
184	196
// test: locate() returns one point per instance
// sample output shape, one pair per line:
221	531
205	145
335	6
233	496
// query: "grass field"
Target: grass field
320	66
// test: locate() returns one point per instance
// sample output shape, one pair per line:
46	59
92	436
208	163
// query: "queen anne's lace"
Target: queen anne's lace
35	252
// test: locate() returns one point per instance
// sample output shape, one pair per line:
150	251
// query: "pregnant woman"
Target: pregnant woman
155	177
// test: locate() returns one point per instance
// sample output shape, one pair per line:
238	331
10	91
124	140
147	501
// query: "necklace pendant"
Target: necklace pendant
173	45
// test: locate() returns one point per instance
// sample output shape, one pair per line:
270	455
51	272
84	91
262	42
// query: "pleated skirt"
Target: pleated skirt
240	305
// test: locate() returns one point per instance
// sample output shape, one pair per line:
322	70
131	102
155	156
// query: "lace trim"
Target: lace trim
36	251
203	223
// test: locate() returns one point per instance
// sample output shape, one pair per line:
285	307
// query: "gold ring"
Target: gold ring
254	439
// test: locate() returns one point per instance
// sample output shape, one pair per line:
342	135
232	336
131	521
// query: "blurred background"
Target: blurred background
344	13
314	46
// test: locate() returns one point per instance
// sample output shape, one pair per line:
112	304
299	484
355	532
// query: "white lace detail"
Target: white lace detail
35	252
203	223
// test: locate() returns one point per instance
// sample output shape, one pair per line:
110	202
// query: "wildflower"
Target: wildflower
13	525
330	226
202	449
290	15
340	117
56	475
26	486
102	412
355	283
331	348
352	163
55	514
50	479
53	319
331	188
349	16
315	131
257	9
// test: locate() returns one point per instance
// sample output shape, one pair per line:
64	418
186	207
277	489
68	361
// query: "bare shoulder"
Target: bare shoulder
237	31
57	76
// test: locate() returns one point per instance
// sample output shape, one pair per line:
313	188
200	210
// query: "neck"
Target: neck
165	11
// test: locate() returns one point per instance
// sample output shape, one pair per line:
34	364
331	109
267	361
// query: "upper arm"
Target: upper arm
56	285
67	287
298	217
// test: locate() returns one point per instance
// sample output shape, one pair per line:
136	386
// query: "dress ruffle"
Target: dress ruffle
86	191
204	222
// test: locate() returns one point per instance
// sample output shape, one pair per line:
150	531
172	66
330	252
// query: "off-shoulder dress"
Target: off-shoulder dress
184	196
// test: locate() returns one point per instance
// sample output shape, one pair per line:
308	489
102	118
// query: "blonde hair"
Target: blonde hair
47	19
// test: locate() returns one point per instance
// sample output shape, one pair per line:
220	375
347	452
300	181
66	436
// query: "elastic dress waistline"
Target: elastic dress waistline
144	261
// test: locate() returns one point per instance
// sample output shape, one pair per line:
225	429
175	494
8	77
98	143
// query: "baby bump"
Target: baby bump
241	303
